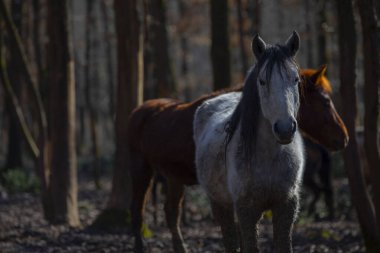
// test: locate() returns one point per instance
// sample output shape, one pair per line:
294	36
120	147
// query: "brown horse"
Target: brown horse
161	139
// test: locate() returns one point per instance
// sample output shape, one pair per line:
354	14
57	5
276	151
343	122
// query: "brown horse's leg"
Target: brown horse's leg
174	197
141	175
224	215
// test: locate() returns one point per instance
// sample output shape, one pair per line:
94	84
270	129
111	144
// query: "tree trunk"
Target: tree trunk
371	53
62	115
182	6
109	59
243	53
42	158
129	95
321	33
162	70
220	50
309	35
91	83
14	103
14	155
254	14
347	50
37	42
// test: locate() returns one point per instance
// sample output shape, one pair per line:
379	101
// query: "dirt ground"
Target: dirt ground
22	228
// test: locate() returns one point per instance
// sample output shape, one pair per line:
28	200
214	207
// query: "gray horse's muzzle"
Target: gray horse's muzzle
284	130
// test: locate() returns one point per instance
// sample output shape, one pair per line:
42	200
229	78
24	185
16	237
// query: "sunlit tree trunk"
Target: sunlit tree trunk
220	50
371	50
62	115
347	50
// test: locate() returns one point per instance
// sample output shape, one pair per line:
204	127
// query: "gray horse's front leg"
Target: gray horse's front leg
248	216
224	215
284	216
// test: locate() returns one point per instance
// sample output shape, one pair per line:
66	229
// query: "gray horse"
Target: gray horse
249	152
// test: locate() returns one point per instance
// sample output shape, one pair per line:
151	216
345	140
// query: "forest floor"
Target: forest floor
23	229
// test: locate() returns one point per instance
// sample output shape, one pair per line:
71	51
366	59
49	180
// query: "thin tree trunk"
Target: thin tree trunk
347	50
254	14
220	50
42	161
15	103
309	35
321	33
371	52
162	70
129	95
14	155
243	53
37	43
62	115
90	83
184	54
109	59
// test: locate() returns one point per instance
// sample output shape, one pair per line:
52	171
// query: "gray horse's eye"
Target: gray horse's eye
262	82
297	80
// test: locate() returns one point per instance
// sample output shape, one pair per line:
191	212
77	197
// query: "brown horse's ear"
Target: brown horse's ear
318	74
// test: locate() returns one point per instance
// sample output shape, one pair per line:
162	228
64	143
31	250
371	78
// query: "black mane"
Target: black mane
248	110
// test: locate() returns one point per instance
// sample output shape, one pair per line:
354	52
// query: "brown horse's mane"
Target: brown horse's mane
321	81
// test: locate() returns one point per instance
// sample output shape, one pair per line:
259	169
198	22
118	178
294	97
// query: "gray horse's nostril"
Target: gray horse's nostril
294	127
276	128
284	130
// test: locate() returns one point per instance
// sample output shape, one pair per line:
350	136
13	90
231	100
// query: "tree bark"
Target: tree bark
91	84
129	95
347	50
220	50
109	59
309	35
243	53
14	155
162	70
15	105
321	33
254	14
62	115
371	52
182	6
42	162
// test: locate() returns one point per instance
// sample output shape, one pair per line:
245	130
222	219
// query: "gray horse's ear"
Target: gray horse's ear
258	46
293	43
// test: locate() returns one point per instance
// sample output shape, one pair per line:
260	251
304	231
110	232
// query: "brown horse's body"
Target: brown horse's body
162	131
161	139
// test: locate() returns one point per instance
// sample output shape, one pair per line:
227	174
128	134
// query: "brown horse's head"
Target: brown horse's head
318	117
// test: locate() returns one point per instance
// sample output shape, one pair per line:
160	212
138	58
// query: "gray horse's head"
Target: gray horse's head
277	83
